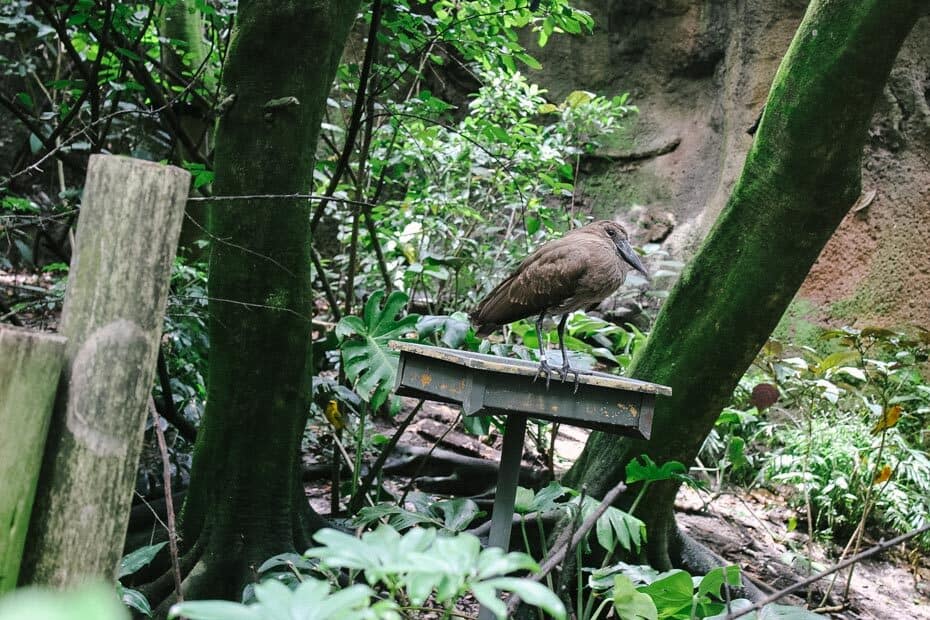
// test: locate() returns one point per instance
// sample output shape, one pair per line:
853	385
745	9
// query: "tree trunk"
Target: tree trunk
799	180
245	502
182	21
30	363
112	317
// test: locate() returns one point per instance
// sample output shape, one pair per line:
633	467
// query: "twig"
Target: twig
151	509
169	502
365	484
355	121
881	546
563	546
426	458
324	281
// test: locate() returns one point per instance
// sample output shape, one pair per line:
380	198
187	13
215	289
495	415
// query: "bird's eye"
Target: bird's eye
611	232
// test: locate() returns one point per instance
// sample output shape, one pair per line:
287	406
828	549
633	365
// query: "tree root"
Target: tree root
699	559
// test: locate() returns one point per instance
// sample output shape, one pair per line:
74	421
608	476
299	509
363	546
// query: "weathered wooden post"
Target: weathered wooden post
30	363
117	290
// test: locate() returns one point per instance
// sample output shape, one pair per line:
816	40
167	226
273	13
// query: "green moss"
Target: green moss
611	190
864	304
796	325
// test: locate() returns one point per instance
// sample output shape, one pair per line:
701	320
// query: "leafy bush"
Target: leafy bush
418	570
847	434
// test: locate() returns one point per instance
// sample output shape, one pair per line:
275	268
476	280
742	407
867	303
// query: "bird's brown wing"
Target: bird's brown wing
546	279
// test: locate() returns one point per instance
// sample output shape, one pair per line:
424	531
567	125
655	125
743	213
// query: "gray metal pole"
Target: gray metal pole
506	492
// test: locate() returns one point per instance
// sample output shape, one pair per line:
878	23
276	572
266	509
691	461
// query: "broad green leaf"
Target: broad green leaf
644	468
671	593
578	97
134	599
523	503
616	526
286	560
630	604
840	358
457	513
366	358
135	560
532	593
485	594
214	610
90	602
712	581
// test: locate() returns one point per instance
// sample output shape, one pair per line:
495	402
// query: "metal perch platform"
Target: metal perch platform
487	384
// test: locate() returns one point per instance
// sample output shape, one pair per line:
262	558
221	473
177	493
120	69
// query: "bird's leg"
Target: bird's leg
544	367
566	369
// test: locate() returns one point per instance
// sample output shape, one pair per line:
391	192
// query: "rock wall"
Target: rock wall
700	72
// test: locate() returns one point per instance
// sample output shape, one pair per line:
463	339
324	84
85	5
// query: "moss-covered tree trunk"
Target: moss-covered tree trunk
244	502
799	180
181	24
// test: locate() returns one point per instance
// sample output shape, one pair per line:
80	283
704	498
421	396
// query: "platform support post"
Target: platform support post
506	493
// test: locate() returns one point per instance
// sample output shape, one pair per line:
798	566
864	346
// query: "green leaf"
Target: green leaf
132	562
578	97
644	468
485	594
630	604
671	593
366	358
840	358
616	526
214	610
457	513
134	599
712	581
90	602
286	560
523	503
531	592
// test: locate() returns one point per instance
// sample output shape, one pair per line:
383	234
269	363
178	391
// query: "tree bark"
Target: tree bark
182	21
799	180
245	502
30	363
112	317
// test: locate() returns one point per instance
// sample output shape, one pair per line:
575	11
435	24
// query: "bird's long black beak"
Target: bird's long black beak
629	255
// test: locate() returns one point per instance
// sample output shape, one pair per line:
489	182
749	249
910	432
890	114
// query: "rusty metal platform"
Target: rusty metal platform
489	384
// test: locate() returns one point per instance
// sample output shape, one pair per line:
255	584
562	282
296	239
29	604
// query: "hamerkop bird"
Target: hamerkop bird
574	272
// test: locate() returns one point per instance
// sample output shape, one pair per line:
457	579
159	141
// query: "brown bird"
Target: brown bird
578	270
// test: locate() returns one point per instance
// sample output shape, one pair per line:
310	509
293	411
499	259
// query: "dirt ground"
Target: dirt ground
749	529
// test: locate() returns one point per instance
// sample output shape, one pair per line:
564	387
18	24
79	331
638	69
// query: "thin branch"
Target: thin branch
327	288
881	546
365	484
426	457
557	554
169	502
355	121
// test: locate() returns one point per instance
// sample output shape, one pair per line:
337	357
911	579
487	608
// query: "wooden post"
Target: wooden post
114	306
30	363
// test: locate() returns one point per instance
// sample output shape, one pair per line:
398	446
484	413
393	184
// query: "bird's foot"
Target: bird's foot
546	370
568	370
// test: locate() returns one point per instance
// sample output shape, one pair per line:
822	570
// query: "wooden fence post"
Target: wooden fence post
113	310
30	363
